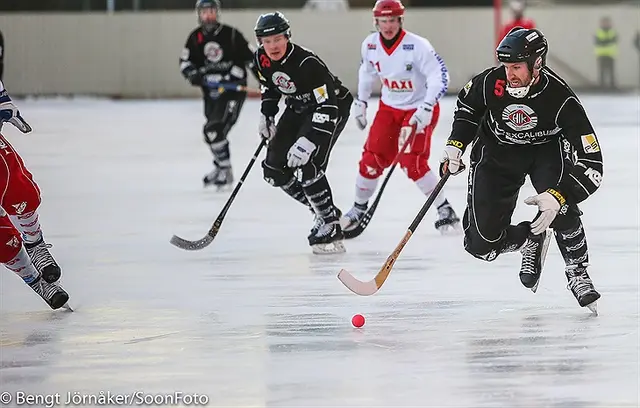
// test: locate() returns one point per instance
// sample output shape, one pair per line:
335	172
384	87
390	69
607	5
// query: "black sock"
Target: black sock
319	194
573	245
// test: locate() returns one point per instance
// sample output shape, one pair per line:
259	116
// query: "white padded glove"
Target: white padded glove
422	117
267	127
549	204
10	113
300	153
451	159
405	133
360	110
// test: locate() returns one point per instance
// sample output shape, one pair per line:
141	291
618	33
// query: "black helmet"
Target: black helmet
272	24
202	4
522	45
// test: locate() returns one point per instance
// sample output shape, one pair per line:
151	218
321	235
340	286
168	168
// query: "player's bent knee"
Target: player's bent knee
214	132
274	176
11	239
414	165
372	166
475	245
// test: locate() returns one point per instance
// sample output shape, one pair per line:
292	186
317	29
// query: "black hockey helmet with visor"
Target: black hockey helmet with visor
272	24
524	45
211	5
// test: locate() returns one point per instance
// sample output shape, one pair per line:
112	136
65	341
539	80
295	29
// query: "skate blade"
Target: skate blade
593	307
67	307
328	249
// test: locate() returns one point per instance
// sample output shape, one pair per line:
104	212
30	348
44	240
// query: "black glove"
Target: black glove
195	78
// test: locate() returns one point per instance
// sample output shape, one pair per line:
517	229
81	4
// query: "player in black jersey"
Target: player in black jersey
317	109
215	58
523	119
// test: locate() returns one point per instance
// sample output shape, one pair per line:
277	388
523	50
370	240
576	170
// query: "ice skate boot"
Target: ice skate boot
534	253
54	295
448	222
43	261
581	286
352	218
220	177
328	239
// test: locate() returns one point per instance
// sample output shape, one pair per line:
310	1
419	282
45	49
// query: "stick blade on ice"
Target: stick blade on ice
356	286
191	245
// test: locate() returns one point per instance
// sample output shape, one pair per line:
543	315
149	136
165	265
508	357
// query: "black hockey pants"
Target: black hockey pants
496	174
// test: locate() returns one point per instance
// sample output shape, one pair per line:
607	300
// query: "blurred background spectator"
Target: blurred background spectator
327	5
606	50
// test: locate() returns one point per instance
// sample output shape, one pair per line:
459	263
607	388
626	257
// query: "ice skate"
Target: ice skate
534	253
52	293
43	261
221	177
448	222
581	286
328	239
319	222
353	217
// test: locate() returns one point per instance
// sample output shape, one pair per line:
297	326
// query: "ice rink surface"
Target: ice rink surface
256	320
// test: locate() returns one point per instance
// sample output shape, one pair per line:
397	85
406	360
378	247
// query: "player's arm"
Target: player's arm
434	69
470	109
325	115
246	56
10	113
188	66
584	178
432	66
366	74
366	77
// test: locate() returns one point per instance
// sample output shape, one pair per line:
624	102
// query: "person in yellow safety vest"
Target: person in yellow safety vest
606	49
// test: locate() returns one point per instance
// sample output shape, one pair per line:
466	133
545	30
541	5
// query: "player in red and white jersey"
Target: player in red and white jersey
22	247
414	78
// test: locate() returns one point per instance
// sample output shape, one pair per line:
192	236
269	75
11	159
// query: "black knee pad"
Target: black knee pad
275	177
214	132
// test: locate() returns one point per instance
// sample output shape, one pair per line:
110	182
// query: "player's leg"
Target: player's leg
491	200
552	162
415	163
222	114
379	151
328	236
20	199
274	166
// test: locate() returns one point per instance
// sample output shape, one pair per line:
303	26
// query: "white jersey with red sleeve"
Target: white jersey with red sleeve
411	72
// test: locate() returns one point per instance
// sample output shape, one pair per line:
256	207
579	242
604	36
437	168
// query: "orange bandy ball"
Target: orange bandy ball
357	320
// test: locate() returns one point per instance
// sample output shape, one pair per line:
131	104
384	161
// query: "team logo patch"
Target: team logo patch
467	88
408	67
589	143
519	117
321	94
283	82
213	51
407	47
371	46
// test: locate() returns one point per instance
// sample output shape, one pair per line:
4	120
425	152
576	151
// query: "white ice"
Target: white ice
256	320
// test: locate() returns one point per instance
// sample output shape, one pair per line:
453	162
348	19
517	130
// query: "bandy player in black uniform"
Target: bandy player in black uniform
525	120
299	145
216	53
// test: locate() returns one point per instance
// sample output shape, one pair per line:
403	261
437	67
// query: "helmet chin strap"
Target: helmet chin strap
522	91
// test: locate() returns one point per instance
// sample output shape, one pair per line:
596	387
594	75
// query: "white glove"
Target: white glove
405	132
451	159
300	153
548	205
360	108
267	127
10	113
422	117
